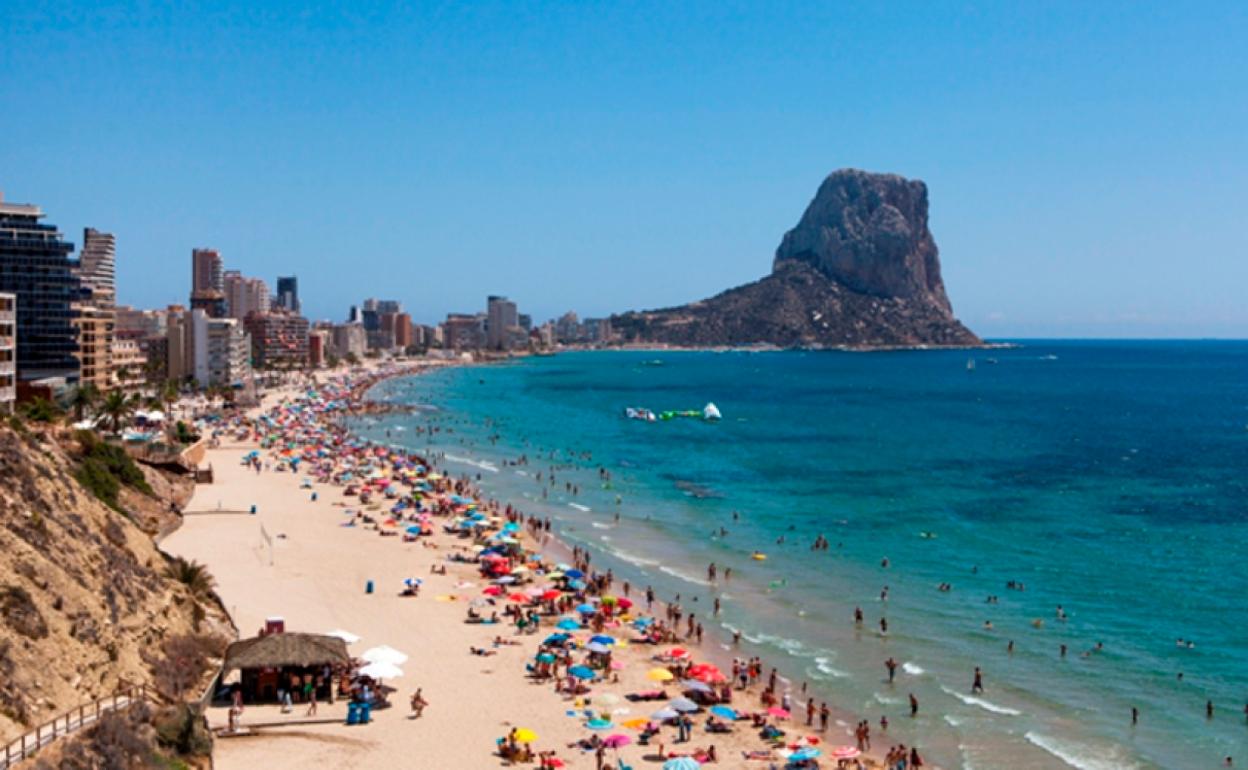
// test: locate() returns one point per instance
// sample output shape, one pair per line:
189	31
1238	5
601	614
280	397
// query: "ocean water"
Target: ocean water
1110	478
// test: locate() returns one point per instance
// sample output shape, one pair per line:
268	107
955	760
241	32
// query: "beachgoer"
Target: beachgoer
977	686
891	664
914	706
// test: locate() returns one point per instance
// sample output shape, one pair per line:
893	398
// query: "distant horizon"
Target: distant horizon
1085	165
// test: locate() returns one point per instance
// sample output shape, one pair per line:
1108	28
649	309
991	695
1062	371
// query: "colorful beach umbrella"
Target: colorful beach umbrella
616	741
682	763
525	735
846	752
581	672
659	675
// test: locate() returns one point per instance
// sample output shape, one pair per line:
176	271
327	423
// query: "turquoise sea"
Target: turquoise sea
1110	478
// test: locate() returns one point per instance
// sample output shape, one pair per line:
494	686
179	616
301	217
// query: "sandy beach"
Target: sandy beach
314	575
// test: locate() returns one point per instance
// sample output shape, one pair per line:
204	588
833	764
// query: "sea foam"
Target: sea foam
1079	755
971	700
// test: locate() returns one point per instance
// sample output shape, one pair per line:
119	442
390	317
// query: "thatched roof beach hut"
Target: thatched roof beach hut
286	650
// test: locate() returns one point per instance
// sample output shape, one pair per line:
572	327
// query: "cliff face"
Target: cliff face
860	269
85	598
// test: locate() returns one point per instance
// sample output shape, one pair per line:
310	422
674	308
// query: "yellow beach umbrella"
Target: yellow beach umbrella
525	735
659	675
636	722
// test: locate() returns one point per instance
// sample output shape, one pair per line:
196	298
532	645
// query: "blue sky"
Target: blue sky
1087	162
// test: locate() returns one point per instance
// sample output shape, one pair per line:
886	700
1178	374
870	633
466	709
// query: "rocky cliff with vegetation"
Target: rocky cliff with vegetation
87	602
859	270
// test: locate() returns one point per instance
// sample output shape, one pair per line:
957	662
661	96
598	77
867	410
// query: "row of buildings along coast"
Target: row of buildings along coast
61	327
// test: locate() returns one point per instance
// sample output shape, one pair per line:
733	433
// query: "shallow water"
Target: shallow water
1106	477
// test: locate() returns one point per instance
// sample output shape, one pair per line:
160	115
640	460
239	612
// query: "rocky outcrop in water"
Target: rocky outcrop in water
860	269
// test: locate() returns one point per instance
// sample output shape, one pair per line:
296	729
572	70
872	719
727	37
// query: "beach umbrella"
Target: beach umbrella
679	653
616	741
597	647
551	594
659	675
723	712
381	671
345	636
586	608
665	714
412	530
624	602
602	639
554	575
846	752
576	585
802	755
695	685
518	597
525	735
682	763
581	672
575	574
545	657
636	723
493	591
555	639
567	624
599	724
410	582
384	654
505	580
683	705
778	712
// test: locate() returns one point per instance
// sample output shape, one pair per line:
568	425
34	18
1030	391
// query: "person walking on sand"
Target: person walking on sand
418	703
810	712
823	717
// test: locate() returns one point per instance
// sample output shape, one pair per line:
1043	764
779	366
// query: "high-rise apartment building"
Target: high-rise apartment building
95	317
97	267
501	321
35	266
8	352
129	362
349	339
244	295
208	283
228	357
207	271
288	293
278	340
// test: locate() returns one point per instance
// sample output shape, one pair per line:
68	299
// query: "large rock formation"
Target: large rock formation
860	269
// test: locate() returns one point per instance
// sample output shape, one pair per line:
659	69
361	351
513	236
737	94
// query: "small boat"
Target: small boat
711	412
970	364
639	413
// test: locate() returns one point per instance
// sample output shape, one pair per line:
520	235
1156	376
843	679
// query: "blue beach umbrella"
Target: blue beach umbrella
682	763
581	672
556	639
545	657
576	585
574	573
723	712
599	724
586	608
567	624
801	755
602	639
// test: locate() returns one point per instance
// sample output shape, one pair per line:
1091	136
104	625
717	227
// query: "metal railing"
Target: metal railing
85	715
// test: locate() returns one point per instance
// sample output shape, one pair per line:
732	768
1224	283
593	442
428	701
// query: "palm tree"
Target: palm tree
117	408
193	575
84	400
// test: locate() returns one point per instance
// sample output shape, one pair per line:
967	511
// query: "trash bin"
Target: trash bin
253	510
368	587
353	713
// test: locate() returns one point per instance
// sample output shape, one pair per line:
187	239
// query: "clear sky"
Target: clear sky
1087	161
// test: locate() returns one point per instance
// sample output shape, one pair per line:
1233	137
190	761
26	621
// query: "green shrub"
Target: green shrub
106	467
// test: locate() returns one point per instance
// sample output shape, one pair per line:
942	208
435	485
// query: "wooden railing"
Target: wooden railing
84	716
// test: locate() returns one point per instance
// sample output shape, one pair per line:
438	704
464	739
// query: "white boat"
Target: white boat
711	412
